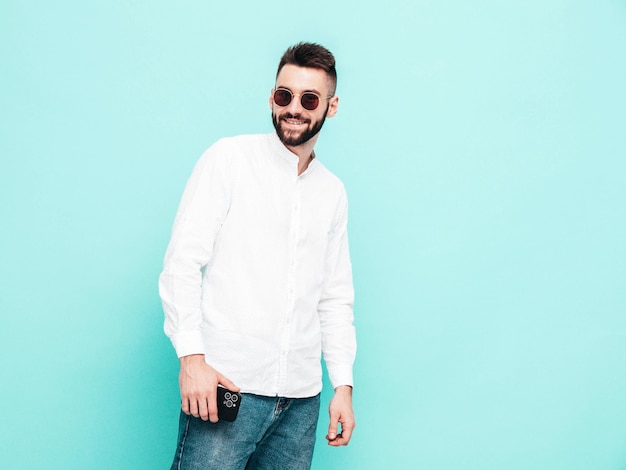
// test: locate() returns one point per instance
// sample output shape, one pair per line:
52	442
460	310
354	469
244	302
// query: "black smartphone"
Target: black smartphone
227	404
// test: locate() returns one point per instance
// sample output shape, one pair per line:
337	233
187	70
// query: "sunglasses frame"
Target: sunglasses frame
301	95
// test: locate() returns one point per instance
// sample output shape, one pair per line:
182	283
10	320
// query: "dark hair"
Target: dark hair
308	54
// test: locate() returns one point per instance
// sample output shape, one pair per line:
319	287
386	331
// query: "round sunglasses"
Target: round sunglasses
308	99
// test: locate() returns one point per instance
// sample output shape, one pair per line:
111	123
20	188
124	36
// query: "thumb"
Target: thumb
227	383
332	427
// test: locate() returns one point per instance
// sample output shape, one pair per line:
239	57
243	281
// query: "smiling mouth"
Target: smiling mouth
293	121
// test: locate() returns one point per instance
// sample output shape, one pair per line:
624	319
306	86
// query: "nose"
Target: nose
295	107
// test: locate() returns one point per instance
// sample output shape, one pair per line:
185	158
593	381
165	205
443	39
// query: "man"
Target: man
257	283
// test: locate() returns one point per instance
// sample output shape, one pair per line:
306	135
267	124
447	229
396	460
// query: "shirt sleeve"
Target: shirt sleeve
336	303
200	216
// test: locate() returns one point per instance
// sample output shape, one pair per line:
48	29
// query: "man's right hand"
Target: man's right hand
198	387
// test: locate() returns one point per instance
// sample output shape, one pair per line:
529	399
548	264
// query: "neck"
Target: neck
303	164
304	153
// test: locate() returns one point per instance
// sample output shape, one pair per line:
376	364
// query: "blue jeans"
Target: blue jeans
270	433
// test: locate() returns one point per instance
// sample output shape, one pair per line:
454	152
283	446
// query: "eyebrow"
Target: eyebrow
313	90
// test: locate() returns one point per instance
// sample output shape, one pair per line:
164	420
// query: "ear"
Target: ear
271	100
332	106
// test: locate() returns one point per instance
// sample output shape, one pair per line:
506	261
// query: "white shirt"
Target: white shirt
257	275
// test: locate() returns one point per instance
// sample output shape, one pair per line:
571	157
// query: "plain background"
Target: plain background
483	147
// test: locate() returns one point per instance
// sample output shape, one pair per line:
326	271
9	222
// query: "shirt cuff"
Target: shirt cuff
188	343
340	375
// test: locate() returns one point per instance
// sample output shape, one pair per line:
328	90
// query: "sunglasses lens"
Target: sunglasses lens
282	97
309	101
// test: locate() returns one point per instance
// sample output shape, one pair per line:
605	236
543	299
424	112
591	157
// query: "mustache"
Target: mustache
282	117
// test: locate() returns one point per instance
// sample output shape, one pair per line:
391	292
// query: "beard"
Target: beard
295	138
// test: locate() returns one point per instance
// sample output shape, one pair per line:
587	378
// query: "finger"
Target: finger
339	441
203	409
227	383
193	408
343	438
336	442
346	432
185	406
211	401
332	427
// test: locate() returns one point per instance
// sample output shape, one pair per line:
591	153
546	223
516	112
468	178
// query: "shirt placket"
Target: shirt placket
294	229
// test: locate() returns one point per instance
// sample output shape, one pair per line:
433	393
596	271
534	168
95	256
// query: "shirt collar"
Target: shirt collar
287	155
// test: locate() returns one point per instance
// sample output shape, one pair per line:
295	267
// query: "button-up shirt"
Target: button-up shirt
257	275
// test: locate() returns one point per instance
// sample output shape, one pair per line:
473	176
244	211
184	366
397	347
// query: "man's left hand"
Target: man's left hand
341	412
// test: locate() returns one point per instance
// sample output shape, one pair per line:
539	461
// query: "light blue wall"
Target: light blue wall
483	146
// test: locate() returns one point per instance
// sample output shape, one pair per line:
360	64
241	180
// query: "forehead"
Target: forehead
302	79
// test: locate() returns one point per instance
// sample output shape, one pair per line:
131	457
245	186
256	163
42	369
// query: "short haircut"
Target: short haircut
308	54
